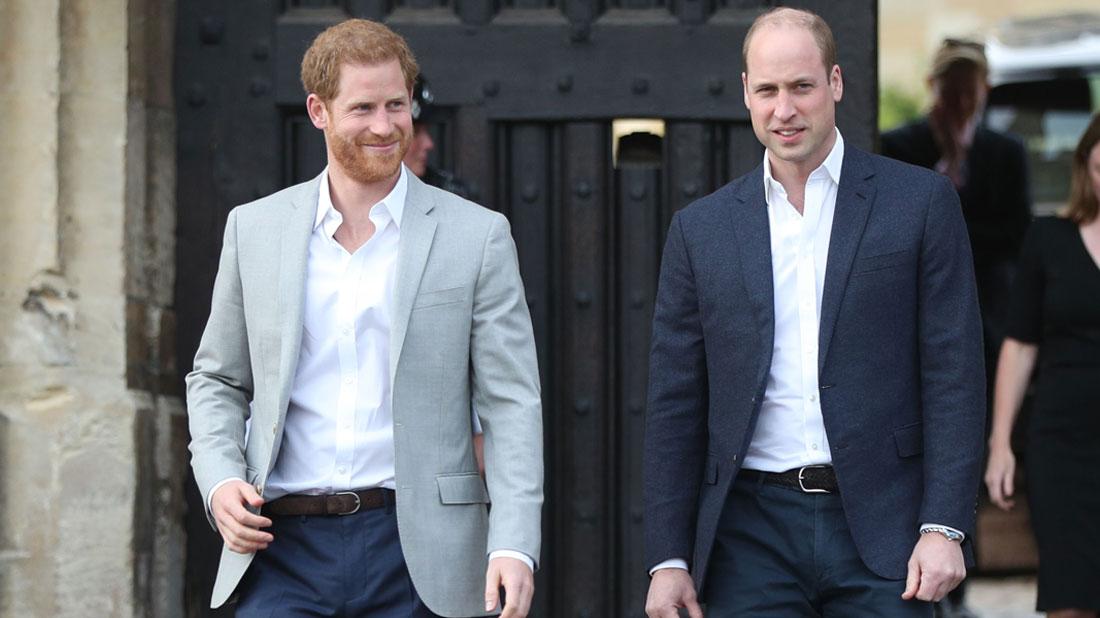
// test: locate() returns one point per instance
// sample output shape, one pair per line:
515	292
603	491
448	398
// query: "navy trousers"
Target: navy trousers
334	565
782	552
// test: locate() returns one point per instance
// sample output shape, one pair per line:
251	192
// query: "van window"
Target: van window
1049	115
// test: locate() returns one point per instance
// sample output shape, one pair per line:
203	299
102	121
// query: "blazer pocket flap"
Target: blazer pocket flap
872	263
910	440
464	488
433	298
710	475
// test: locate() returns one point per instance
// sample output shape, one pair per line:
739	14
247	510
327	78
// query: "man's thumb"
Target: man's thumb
492	589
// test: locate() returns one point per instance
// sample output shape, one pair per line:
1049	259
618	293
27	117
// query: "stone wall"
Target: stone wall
92	436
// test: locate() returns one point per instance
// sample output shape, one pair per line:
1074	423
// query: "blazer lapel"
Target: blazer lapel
300	214
417	233
854	198
750	224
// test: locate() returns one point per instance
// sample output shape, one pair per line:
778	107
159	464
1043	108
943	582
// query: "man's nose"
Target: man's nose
380	123
784	107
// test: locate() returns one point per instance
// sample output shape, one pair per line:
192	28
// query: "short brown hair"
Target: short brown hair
799	18
355	41
1083	206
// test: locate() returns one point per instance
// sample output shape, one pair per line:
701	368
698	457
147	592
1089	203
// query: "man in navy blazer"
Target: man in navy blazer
816	400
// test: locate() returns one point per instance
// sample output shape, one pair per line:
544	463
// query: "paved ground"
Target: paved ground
1010	597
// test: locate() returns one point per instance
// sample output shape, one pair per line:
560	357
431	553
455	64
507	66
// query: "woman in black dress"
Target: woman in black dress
1054	322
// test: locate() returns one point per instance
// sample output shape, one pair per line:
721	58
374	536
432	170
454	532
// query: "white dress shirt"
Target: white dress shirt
790	431
338	434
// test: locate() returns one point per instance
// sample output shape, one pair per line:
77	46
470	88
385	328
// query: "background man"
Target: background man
816	400
358	318
424	111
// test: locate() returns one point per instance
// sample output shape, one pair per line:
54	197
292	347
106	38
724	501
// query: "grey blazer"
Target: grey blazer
461	338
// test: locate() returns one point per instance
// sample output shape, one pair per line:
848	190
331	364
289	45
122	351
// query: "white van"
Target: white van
1046	84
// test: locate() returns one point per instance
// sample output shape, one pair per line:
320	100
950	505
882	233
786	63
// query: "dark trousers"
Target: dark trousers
334	565
781	552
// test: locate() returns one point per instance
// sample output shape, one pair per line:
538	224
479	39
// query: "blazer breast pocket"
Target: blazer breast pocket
884	261
435	298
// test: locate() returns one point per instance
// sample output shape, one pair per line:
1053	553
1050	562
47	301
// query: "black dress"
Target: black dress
1056	304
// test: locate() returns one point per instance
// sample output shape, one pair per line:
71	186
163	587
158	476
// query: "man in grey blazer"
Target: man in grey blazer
816	401
357	321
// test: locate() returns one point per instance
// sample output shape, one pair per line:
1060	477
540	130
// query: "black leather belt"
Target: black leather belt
342	503
807	479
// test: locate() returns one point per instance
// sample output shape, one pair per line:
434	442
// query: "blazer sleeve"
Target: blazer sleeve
952	376
219	388
506	397
676	414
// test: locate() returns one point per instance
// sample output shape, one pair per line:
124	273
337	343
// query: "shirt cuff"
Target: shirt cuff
210	496
518	555
671	563
930	525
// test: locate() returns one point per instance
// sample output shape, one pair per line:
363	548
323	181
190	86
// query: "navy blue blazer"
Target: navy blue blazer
900	362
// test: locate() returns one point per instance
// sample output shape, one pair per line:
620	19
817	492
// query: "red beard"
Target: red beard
363	166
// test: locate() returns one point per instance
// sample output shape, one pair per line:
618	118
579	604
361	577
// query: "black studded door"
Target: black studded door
586	123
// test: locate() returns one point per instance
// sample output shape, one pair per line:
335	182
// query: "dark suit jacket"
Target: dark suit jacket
900	362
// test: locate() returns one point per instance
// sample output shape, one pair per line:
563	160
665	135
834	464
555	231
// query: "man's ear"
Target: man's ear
318	111
745	87
836	83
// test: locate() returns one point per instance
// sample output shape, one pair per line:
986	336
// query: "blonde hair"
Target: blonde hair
355	41
785	16
1083	203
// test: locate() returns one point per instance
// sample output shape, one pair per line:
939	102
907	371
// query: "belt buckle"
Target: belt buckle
358	502
802	484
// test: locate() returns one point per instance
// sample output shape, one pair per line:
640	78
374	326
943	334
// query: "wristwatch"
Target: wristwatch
952	535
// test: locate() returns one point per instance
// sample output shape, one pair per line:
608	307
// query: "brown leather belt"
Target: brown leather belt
807	479
342	503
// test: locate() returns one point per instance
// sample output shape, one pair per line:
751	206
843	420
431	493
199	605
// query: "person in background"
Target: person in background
989	171
424	112
1054	325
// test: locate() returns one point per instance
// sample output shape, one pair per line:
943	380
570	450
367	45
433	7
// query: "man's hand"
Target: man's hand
935	568
240	529
519	586
1000	475
669	590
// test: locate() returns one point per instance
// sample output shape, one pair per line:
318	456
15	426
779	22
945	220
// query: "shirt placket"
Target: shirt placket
349	371
807	315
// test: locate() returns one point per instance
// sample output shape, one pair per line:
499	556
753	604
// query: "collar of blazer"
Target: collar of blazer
855	196
417	232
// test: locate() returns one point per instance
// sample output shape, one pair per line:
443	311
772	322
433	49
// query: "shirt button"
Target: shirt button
341	470
813	397
813	446
274	429
347	380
